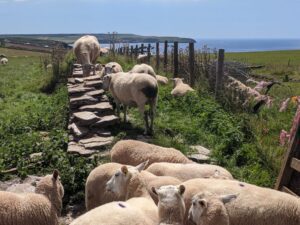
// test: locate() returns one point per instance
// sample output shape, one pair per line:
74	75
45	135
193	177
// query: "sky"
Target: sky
218	19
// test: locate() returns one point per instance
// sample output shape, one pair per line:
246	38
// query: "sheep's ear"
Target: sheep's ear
181	189
124	170
142	166
113	66
55	174
228	198
154	190
103	65
202	203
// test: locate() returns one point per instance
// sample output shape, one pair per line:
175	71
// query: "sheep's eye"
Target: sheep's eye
116	175
194	203
201	203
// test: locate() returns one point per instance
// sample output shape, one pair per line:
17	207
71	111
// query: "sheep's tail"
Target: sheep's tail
150	92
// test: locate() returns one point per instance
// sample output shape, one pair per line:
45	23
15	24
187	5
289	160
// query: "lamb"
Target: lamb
136	90
189	171
112	67
138	209
134	152
209	209
87	50
171	207
180	88
144	68
96	194
142	58
40	208
253	205
3	61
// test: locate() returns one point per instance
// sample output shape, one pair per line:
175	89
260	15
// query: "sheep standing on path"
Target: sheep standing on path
138	209
253	206
3	61
133	152
135	90
87	50
40	208
171	207
180	88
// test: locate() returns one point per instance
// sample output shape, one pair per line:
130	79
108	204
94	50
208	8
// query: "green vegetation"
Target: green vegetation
32	121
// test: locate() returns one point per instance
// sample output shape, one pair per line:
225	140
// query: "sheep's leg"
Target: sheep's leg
118	108
152	114
125	114
145	114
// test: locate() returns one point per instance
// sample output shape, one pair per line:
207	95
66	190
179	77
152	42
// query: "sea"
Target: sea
235	45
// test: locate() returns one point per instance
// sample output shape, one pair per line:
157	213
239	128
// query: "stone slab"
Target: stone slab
92	78
100	108
97	143
83	100
78	131
95	94
74	148
79	90
95	84
85	118
106	121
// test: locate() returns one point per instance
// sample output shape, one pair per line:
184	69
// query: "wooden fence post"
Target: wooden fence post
175	59
136	51
166	55
149	53
192	63
157	56
142	49
220	73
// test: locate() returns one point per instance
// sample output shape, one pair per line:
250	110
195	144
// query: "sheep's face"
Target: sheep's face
169	194
118	183
177	81
106	82
201	203
199	206
109	69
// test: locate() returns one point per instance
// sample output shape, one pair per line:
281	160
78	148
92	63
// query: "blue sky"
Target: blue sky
186	18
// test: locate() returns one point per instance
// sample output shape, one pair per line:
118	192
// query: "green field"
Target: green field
35	120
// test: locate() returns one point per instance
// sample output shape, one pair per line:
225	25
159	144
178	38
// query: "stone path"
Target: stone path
91	115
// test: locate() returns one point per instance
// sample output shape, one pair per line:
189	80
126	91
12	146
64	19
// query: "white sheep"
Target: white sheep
254	205
171	207
135	90
145	68
4	61
95	191
40	208
209	209
133	152
138	209
111	67
188	171
180	88
87	50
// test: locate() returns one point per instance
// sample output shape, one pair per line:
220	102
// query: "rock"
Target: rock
79	90
103	108
96	142
106	121
95	94
104	98
76	65
71	80
102	133
85	118
78	131
74	148
79	80
83	100
202	154
92	78
36	155
95	84
78	74
20	186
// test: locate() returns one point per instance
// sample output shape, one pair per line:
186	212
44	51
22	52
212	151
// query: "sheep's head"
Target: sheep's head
109	69
106	82
171	207
177	81
119	182
206	206
52	188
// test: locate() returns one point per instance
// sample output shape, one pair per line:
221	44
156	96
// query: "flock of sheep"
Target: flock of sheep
167	188
136	88
147	184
